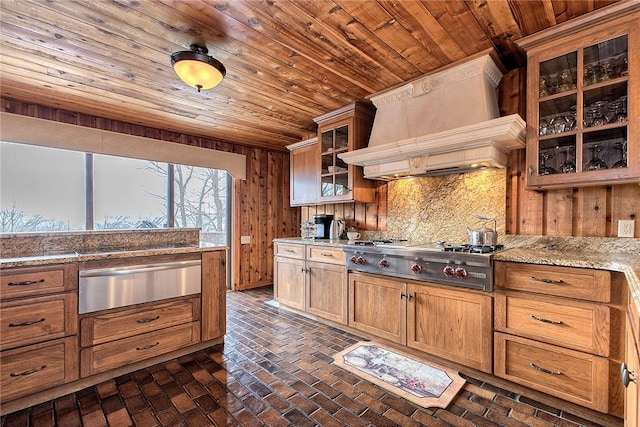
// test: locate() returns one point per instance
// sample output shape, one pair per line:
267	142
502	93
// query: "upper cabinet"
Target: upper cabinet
583	100
340	131
303	172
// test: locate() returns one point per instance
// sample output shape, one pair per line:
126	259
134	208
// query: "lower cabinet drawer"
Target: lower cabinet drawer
38	319
579	325
37	367
118	324
328	255
118	353
570	375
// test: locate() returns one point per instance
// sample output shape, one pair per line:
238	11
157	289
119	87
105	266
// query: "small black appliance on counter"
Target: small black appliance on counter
323	225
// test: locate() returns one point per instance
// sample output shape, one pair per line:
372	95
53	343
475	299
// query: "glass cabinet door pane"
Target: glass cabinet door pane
327	188
558	74
342	184
327	141
342	137
557	155
605	149
327	163
557	115
605	61
605	105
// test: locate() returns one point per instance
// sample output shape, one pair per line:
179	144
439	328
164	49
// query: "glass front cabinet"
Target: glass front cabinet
338	132
583	104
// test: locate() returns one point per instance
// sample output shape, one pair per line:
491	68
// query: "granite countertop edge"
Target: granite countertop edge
32	261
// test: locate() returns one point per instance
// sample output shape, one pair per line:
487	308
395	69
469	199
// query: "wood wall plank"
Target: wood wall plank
558	213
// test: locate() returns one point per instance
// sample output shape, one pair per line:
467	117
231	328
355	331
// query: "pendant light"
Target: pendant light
197	69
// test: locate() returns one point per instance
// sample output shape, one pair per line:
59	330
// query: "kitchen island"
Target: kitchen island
151	295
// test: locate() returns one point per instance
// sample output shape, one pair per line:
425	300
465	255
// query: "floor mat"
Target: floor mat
423	382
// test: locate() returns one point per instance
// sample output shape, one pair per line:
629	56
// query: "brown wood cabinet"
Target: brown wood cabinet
341	131
38	336
117	337
451	323
632	368
214	295
549	340
312	278
583	123
304	172
289	275
454	324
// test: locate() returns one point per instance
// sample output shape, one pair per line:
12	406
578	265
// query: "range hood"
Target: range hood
444	122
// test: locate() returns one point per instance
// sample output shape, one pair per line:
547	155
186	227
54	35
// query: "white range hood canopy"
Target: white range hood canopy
445	122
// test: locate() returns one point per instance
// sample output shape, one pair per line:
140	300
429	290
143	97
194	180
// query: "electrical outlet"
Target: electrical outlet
244	240
626	227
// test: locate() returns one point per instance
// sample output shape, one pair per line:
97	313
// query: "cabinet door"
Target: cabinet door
304	174
378	306
582	108
452	324
631	394
336	182
214	295
288	280
327	291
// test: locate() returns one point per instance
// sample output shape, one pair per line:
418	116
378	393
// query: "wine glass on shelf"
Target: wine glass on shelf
567	166
595	163
544	168
622	163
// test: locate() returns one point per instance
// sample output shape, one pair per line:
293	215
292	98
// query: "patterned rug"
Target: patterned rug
423	383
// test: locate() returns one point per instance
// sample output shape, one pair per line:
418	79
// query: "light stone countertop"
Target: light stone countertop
314	242
31	261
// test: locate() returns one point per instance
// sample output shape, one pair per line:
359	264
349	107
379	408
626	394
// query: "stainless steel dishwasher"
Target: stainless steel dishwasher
105	288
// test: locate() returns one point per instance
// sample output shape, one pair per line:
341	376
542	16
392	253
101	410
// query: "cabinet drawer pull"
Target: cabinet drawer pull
25	283
326	254
29	372
27	323
538	279
147	347
291	251
546	371
553	322
626	375
151	319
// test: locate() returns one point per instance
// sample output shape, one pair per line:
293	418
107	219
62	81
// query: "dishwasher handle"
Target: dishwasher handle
122	271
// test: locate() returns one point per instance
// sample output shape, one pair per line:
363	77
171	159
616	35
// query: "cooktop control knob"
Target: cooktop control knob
384	263
353	259
416	268
360	260
460	272
448	271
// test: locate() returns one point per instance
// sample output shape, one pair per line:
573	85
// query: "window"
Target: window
41	189
201	200
129	193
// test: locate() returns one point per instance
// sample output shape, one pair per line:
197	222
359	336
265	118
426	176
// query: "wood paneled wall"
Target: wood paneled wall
261	202
363	216
585	211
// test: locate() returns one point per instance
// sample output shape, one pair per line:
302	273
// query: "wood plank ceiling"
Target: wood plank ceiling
287	61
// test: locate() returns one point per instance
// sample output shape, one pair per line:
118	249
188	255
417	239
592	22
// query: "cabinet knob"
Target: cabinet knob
531	170
626	375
